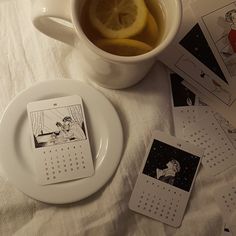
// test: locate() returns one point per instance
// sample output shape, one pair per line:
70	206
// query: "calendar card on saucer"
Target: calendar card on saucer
163	186
60	141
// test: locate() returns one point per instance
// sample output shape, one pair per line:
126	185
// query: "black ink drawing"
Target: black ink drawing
221	26
205	80
182	96
196	43
171	165
168	174
58	126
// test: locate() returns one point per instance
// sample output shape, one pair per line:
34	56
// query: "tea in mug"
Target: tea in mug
123	27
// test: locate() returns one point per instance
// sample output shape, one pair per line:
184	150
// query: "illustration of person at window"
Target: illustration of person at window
72	129
168	174
61	133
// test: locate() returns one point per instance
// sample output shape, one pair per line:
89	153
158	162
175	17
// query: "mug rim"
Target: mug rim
129	59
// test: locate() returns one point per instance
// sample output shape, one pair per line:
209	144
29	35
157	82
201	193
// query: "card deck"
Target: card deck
60	139
166	179
217	23
196	62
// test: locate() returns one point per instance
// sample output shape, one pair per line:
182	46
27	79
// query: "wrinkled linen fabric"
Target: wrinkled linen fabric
27	57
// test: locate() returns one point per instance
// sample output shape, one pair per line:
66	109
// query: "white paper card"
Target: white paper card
60	140
183	117
183	105
226	199
194	60
166	179
216	21
220	153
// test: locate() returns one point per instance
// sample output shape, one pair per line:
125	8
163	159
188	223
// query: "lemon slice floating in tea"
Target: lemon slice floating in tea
123	47
118	18
150	33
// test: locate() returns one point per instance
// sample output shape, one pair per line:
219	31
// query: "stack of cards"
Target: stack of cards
200	125
60	141
166	179
203	54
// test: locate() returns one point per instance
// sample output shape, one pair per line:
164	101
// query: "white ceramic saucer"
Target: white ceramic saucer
16	156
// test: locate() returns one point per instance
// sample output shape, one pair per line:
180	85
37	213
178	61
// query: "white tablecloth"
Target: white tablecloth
27	56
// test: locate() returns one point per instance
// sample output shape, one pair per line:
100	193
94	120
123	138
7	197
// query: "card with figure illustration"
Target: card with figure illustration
197	64
217	20
60	140
166	179
195	61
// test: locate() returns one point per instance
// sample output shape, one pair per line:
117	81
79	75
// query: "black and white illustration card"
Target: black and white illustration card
217	21
196	44
60	139
227	114
199	63
166	179
195	61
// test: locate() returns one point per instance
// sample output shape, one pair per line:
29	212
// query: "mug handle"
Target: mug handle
47	16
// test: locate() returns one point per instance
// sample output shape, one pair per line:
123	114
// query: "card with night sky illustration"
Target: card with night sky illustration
199	63
175	166
217	22
167	175
181	95
192	58
195	42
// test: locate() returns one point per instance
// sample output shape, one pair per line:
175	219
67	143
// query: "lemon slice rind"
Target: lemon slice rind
125	32
123	47
150	33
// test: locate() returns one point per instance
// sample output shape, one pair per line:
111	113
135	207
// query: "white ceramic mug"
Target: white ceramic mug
107	70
